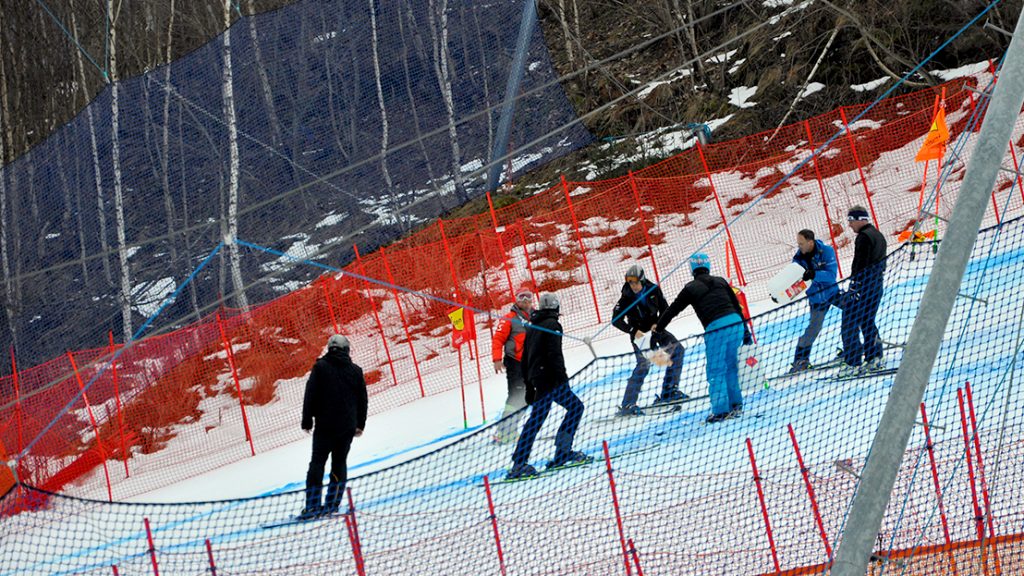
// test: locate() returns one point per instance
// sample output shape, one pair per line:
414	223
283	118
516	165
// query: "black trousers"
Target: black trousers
333	443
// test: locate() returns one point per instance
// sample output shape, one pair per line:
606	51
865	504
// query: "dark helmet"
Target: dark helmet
635	271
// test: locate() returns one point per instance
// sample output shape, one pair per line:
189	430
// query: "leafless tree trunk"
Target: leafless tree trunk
115	152
165	152
396	212
101	213
409	93
231	239
565	32
268	96
186	240
438	18
691	35
487	89
10	303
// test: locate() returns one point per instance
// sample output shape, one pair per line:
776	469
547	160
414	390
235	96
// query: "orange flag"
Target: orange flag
935	142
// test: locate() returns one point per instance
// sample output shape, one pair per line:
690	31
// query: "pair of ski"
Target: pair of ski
551	470
295	520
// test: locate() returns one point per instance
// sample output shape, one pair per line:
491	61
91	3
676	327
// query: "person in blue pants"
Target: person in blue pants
718	310
546	382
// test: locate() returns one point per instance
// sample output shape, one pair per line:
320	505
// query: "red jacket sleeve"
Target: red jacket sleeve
501	335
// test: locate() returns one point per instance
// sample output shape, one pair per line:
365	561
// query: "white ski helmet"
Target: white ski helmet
337	341
548	301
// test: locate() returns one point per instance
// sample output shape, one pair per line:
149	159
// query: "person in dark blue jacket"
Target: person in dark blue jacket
638	308
821	269
867	282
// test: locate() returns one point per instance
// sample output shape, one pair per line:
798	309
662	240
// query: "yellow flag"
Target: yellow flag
935	142
456	317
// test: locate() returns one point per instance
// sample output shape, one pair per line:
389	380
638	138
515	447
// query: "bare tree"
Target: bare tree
383	116
10	303
231	239
406	54
115	153
438	19
565	32
101	212
261	70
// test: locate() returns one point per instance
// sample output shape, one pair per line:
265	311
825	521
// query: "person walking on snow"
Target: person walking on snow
506	352
718	310
638	308
860	305
336	401
821	269
546	382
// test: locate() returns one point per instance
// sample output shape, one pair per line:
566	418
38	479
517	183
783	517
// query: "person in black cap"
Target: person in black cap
546	383
638	308
860	304
336	400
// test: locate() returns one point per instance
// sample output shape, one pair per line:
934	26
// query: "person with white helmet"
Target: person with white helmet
336	401
718	310
638	308
546	382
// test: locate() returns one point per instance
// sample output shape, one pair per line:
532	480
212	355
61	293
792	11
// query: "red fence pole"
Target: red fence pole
117	397
1013	151
721	212
113	568
355	522
494	525
938	489
643	224
979	522
17	406
376	316
615	503
636	558
981	476
456	291
501	246
479	376
810	493
95	428
330	306
405	324
238	385
764	508
860	169
356	554
583	249
821	189
209	556
152	548
526	254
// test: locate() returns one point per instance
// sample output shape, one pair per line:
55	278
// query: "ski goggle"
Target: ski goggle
524	296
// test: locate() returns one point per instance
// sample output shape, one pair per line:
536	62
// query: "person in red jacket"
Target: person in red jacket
507	352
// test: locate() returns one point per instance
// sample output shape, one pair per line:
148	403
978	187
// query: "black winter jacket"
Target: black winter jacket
711	297
543	362
868	255
644	314
335	394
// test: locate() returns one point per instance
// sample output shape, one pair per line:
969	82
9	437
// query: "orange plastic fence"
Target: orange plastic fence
172	405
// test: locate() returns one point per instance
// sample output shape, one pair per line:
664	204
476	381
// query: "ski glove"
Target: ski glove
531	394
808	274
748	339
307	425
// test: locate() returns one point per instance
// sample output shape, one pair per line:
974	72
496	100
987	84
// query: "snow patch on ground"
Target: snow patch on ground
740	96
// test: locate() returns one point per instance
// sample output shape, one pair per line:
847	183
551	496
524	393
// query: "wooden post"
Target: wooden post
238	385
821	189
583	249
860	170
643	224
764	508
376	316
494	526
721	212
405	324
95	428
117	396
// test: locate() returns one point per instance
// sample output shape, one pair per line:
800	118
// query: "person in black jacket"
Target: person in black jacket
860	304
546	382
637	310
718	310
336	401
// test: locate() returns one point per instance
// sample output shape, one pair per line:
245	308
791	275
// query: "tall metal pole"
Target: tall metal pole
508	108
890	442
